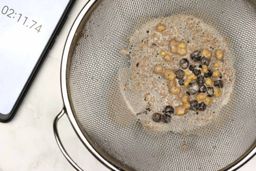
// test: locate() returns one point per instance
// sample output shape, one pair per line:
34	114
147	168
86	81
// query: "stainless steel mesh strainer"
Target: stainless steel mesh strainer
98	114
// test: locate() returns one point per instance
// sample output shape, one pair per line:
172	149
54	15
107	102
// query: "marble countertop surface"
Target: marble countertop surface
27	143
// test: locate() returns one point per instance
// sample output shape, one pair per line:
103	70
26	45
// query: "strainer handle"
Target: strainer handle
59	143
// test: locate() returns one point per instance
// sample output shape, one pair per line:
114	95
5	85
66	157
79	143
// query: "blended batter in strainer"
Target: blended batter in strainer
180	76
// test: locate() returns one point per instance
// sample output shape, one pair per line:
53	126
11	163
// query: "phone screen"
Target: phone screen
26	26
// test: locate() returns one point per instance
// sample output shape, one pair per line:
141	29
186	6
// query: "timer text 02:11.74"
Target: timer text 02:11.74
24	20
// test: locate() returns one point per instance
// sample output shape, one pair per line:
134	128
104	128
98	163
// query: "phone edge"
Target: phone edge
5	118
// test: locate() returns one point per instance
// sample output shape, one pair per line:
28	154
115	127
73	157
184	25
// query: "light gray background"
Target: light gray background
27	143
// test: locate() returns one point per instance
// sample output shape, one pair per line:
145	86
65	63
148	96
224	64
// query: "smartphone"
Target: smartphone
27	31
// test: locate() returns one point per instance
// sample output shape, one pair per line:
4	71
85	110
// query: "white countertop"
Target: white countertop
27	143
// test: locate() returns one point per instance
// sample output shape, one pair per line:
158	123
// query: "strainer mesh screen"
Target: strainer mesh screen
103	115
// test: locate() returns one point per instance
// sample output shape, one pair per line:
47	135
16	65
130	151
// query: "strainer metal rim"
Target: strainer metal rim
65	97
67	101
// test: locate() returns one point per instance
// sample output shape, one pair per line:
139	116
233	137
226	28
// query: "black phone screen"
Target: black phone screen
26	29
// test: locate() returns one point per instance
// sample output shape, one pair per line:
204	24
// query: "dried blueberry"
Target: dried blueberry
202	89
168	110
202	106
200	80
208	74
181	82
194	105
195	56
218	83
156	117
180	74
205	61
192	67
184	63
210	91
166	118
196	72
193	88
